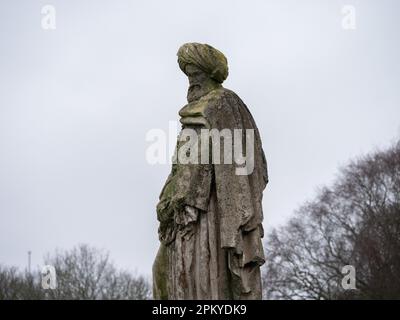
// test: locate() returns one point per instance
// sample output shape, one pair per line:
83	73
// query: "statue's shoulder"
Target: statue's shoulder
223	101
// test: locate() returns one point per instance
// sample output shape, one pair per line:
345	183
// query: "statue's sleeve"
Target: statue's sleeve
186	191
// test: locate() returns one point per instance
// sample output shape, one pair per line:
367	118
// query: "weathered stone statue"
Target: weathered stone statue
210	213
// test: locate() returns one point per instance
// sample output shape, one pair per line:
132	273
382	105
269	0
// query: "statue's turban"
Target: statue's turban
205	57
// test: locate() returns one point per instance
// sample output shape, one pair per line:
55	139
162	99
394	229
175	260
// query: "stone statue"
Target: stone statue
210	216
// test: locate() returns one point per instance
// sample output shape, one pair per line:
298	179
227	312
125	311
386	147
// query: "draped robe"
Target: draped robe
211	217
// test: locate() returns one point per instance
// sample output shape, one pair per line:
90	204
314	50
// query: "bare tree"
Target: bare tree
87	273
16	285
355	222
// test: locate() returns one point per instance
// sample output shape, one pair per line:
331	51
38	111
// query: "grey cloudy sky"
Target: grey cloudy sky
76	103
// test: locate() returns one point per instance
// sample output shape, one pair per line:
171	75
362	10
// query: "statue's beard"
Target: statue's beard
199	89
195	92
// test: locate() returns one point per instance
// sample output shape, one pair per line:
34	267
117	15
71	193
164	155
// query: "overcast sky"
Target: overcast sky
76	103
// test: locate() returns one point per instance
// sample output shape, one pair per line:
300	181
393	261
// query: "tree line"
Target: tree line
82	273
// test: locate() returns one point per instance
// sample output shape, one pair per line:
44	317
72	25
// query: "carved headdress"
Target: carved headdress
205	57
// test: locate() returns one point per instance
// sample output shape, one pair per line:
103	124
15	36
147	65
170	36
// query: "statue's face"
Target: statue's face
196	76
198	82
